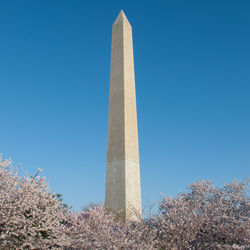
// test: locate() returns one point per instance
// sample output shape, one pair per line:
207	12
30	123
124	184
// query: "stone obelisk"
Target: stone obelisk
123	189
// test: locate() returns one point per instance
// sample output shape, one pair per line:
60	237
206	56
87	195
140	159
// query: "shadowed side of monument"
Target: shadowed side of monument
123	189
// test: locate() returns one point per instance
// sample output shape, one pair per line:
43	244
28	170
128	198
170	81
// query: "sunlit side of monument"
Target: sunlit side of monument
123	189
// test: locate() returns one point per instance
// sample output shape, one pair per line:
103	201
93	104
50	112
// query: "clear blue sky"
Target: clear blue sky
192	69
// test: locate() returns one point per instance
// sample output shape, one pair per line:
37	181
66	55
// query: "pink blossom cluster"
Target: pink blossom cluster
206	217
29	213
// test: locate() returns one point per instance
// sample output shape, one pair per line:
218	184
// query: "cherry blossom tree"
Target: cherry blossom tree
98	229
30	216
206	217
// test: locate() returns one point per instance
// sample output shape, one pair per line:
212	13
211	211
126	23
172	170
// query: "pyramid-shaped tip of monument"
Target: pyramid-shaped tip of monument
121	18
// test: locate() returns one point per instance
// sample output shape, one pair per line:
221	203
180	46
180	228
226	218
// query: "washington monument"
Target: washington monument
123	188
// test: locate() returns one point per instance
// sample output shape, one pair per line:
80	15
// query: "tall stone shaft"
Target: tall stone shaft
123	189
